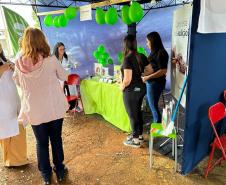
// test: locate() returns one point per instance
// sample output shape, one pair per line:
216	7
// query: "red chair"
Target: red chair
216	114
74	80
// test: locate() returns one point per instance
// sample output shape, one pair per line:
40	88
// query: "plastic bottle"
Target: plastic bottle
164	118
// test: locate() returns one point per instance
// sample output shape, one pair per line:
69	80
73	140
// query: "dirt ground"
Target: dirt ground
95	155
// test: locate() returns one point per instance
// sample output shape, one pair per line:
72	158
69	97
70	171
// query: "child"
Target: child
43	104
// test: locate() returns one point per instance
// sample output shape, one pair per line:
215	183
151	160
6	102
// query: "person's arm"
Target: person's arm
126	79
157	74
163	61
60	71
147	66
4	68
148	70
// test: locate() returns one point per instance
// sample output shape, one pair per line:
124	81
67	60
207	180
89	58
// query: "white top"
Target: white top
69	64
9	106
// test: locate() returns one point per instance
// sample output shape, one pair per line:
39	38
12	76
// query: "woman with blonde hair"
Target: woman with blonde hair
43	102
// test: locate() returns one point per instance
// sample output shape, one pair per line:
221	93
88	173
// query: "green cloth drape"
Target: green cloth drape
106	100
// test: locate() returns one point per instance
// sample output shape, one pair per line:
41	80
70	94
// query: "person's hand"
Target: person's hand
4	68
174	60
144	78
122	87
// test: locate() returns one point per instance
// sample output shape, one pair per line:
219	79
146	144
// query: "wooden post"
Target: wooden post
94	5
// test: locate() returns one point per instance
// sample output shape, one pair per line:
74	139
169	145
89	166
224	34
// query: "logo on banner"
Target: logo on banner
19	28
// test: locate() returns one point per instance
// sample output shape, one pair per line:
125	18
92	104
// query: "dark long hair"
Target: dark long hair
129	44
55	50
156	41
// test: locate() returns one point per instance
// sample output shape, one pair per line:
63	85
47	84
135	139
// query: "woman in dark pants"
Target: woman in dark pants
133	88
156	81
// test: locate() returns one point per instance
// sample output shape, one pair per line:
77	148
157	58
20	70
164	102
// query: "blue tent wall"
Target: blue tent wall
82	38
207	79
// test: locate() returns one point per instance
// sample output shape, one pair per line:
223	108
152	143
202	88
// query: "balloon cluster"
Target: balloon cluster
120	58
61	20
102	56
142	51
132	14
110	17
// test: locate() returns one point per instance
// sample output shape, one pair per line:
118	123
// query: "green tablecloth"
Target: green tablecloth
106	100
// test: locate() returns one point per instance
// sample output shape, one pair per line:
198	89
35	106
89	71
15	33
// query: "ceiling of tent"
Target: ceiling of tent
66	3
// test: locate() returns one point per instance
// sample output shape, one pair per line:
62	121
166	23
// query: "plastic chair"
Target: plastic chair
74	80
156	131
216	114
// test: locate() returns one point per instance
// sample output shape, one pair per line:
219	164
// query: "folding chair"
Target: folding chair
216	114
156	131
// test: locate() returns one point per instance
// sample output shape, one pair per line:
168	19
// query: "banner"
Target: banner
180	38
212	16
16	26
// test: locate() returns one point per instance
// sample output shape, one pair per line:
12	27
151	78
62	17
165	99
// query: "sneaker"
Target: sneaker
47	180
78	109
133	143
61	174
130	137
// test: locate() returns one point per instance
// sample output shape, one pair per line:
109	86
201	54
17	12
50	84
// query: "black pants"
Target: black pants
51	130
133	101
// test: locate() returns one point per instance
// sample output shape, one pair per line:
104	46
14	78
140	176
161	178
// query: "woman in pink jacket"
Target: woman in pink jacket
43	103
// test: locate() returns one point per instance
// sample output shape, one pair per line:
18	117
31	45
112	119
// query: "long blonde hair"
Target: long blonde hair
34	44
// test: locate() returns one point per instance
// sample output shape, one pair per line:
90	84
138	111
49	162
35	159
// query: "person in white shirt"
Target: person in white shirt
60	53
12	133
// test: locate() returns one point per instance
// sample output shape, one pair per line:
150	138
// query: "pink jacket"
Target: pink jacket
43	99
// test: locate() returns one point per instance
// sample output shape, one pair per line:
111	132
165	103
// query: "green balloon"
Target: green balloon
105	56
135	12
70	12
96	54
104	62
56	22
48	20
62	20
111	16
120	57
100	16
140	49
101	48
110	61
125	15
99	60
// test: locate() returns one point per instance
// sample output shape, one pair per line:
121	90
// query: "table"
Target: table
105	99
